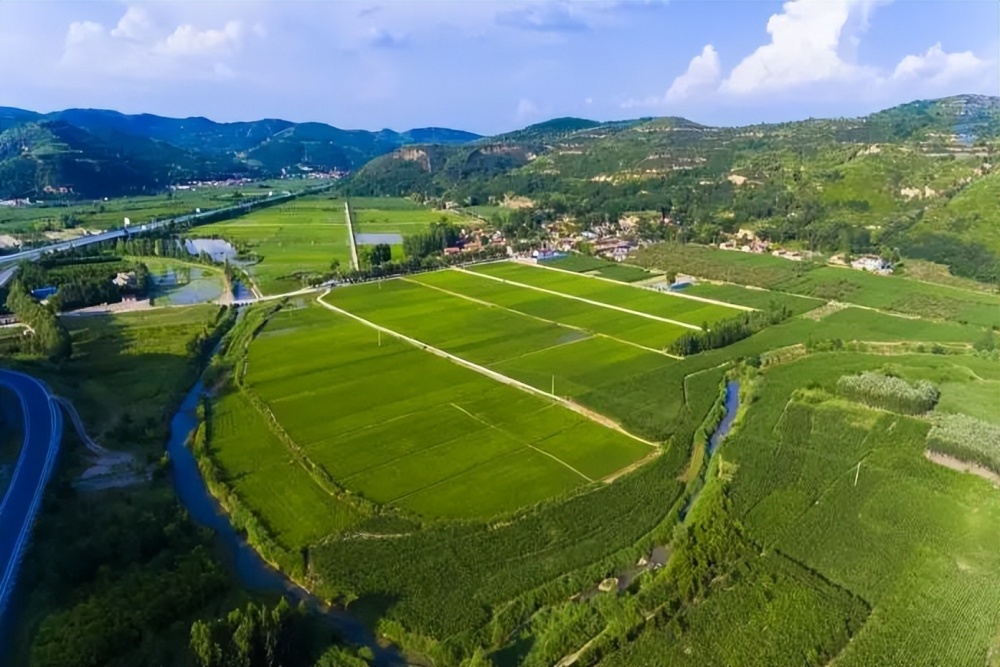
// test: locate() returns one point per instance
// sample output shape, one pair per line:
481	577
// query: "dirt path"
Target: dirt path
599	304
355	263
109	469
499	377
490	304
679	295
962	466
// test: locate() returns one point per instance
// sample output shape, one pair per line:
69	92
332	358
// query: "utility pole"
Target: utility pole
857	473
553	392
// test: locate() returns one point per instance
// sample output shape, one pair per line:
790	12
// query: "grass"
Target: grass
578	263
292	241
126	370
644	301
917	541
399	221
407	428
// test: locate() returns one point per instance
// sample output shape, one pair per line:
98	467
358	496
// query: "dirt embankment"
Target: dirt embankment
962	466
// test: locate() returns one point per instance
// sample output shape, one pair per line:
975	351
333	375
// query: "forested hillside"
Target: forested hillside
920	177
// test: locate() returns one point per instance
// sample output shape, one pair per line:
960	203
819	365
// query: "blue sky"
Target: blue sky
489	66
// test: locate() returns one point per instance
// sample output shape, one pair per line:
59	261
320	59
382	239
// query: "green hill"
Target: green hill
915	177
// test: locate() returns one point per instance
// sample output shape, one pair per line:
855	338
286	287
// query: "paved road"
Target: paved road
42	433
81	241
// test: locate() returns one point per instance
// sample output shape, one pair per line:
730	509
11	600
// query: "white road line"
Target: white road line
600	304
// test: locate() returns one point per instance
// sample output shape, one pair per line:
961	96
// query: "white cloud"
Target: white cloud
135	24
146	46
809	39
702	75
187	40
937	67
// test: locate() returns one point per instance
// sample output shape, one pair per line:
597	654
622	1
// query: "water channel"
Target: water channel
253	572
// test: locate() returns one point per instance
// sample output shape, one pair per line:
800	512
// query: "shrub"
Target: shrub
889	393
966	438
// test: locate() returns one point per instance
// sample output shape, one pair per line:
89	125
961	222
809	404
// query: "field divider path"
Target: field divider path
355	263
490	304
499	377
599	304
692	297
526	444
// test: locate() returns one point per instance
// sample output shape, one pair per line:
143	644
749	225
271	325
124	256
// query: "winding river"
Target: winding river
253	572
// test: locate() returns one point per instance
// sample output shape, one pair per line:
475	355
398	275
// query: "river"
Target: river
732	405
253	572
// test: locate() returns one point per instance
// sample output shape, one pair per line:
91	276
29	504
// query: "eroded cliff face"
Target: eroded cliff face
417	155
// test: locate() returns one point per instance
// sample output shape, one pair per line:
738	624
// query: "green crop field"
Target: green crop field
754	298
539	353
578	263
667	306
915	540
403	427
291	241
621	326
895	293
400	221
262	473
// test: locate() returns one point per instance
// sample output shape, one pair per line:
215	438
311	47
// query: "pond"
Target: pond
375	239
185	286
253	572
219	250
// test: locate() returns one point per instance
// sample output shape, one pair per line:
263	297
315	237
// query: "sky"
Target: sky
488	66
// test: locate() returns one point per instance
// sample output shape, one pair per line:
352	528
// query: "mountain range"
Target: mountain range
95	152
919	177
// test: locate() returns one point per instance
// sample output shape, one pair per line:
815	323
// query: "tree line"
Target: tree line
48	337
729	331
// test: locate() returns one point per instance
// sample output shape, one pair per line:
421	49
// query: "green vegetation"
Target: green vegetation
441	440
46	334
966	438
727	332
889	393
669	306
894	293
627	327
753	298
288	244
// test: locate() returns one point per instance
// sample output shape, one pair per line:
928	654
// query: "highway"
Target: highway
35	253
20	505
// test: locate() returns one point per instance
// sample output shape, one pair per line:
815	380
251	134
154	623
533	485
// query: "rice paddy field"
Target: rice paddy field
291	241
599	267
649	302
403	427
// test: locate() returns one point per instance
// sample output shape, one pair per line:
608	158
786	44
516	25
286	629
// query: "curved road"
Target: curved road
42	433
